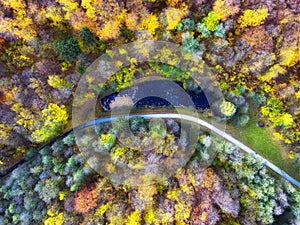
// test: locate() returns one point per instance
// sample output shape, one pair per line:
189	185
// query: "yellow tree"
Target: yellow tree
225	8
173	17
20	25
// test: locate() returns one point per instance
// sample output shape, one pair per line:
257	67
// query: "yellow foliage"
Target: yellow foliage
4	131
150	216
69	6
182	211
110	30
55	113
55	218
272	73
134	218
292	155
286	120
172	3
65	66
173	16
150	23
173	195
278	136
62	195
22	28
90	10
56	82
289	56
55	15
18	7
253	17
102	209
24	117
204	216
146	193
297	94
225	8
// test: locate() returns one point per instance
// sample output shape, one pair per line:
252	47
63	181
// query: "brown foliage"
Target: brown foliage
257	37
85	199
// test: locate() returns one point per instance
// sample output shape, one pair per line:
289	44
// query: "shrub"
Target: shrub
228	108
241	120
256	99
68	50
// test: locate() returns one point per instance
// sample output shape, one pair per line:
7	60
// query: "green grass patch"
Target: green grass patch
260	139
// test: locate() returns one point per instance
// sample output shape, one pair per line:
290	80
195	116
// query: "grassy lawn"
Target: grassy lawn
260	140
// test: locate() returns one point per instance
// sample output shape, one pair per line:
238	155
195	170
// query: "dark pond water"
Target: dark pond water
199	99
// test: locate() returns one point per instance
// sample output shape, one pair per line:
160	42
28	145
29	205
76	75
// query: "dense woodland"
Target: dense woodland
252	48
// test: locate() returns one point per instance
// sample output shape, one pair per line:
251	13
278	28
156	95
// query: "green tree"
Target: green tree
68	50
87	36
157	128
136	122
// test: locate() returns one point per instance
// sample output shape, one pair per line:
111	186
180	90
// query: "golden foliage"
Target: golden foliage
18	6
69	6
172	3
134	218
174	16
110	30
225	8
289	56
272	73
55	15
150	23
54	218
253	17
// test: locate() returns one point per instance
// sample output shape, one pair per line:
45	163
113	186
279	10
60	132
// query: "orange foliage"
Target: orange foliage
2	45
131	21
211	181
79	20
257	37
86	199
